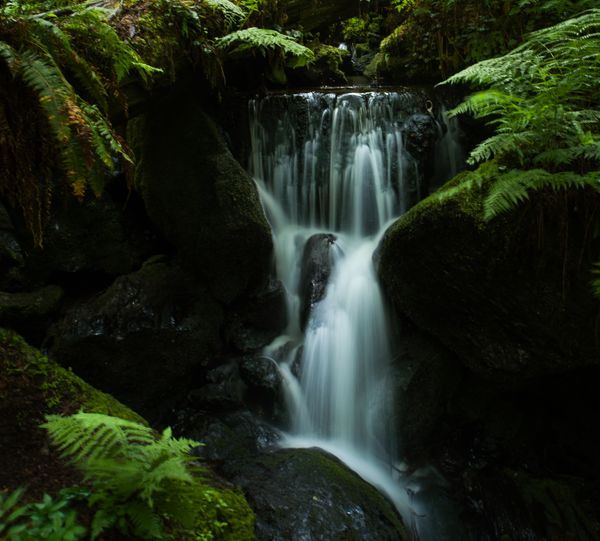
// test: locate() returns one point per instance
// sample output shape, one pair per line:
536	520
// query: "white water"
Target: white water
337	164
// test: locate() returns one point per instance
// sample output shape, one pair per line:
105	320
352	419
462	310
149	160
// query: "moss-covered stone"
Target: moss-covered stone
60	389
308	494
510	299
200	197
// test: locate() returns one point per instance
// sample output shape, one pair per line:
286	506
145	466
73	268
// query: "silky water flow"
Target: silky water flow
337	164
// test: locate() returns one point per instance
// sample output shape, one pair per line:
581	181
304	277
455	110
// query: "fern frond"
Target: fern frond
232	14
93	436
513	188
262	40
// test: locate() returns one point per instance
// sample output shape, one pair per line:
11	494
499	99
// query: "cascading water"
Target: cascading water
337	164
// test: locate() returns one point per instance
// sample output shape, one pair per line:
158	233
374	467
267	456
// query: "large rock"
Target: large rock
143	338
88	237
200	197
510	302
306	494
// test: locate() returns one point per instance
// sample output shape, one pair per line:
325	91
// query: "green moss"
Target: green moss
60	389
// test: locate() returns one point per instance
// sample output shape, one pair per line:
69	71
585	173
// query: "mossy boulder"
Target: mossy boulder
307	494
32	386
143	338
199	196
510	297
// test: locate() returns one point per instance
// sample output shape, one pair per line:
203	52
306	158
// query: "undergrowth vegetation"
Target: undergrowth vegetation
435	38
543	99
146	485
64	72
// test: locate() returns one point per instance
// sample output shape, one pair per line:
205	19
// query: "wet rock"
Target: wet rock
228	437
259	319
261	374
301	494
421	132
143	338
317	262
199	196
224	390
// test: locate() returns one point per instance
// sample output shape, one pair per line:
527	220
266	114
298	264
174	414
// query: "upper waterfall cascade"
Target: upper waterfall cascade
338	164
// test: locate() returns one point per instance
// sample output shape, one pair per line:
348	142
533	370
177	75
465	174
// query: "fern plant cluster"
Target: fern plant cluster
543	99
70	67
144	485
63	66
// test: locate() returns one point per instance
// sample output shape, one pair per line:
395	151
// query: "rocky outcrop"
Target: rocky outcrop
143	338
200	197
509	302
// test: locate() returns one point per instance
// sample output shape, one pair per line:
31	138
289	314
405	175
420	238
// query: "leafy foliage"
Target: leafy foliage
279	49
140	480
71	67
439	37
542	98
52	519
136	477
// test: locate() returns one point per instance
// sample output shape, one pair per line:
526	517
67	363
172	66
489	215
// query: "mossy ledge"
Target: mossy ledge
32	386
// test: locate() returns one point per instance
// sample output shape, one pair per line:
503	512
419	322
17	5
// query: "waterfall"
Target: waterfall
336	165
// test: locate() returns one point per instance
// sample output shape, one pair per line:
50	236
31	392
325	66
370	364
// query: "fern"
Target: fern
136	476
514	187
263	40
72	64
539	98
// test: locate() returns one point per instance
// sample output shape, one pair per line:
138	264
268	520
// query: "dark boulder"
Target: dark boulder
421	132
509	303
223	391
317	263
426	376
258	319
200	197
306	494
85	237
143	338
30	312
231	436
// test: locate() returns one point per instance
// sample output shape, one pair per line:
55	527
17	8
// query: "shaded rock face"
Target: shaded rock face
89	237
200	197
258	319
317	263
301	494
501	364
510	304
143	338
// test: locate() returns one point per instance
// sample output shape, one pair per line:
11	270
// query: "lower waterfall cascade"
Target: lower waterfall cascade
333	171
